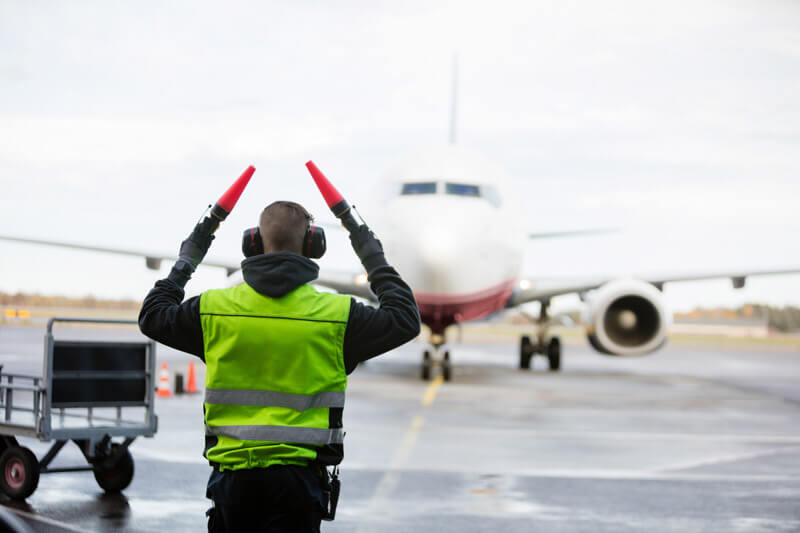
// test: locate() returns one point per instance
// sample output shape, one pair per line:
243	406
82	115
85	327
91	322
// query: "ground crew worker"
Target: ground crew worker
277	355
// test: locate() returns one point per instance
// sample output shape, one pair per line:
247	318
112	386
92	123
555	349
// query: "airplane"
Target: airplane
452	227
454	230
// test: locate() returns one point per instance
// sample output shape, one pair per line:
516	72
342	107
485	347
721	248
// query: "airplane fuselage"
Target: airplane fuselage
453	233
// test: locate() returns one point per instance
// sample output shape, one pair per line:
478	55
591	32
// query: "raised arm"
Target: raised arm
372	331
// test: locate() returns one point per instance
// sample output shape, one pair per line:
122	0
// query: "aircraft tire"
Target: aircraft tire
447	369
115	477
19	472
554	354
525	352
425	373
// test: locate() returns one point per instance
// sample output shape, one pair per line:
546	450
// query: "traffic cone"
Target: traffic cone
163	382
191	382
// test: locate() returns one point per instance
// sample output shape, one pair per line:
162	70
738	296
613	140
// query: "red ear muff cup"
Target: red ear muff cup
251	242
314	244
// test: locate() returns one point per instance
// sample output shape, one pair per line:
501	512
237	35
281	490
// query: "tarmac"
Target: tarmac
688	439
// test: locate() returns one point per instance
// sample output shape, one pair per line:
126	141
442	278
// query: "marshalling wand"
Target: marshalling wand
341	209
220	210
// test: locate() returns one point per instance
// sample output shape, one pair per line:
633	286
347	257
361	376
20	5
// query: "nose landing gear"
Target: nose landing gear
430	359
427	365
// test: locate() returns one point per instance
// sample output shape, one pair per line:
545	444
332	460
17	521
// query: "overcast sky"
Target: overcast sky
678	122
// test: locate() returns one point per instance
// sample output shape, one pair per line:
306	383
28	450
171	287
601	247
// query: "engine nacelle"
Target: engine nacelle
626	317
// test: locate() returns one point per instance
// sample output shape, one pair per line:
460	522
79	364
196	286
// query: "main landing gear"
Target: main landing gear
544	344
430	359
551	350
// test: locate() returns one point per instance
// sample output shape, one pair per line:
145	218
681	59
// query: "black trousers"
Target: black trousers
278	499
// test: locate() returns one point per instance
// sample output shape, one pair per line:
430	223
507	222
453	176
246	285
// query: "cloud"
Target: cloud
612	111
58	141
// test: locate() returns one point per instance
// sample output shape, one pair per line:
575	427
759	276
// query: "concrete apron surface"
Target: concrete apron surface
685	440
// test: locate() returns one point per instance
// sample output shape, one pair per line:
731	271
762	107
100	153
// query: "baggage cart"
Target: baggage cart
90	392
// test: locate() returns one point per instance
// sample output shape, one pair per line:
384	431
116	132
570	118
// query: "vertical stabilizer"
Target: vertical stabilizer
454	102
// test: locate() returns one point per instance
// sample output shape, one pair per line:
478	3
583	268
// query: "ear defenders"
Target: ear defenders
314	245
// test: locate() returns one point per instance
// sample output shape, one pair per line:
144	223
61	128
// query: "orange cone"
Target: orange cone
163	383
191	382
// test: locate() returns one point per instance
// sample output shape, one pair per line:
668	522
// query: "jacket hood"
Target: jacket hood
279	273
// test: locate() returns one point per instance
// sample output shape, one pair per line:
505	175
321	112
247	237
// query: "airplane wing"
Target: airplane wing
347	283
538	293
344	282
330	225
570	233
152	260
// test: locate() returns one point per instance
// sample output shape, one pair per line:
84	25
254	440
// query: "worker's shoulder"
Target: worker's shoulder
314	301
308	289
216	297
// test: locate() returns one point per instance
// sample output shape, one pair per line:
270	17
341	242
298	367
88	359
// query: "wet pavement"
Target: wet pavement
689	439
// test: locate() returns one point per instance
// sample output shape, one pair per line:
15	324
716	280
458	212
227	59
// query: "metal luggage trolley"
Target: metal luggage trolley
97	378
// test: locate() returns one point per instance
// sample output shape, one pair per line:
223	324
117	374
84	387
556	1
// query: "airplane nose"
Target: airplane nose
447	249
435	247
439	253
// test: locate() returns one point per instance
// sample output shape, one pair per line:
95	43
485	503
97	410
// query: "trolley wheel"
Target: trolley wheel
447	369
525	352
115	477
427	363
20	472
554	354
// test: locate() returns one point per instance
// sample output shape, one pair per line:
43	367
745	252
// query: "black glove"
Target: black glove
193	250
367	247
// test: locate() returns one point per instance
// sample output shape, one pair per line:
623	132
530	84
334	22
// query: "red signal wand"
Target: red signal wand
228	200
220	210
194	248
339	206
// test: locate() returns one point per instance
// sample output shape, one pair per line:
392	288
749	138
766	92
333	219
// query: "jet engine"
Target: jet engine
626	317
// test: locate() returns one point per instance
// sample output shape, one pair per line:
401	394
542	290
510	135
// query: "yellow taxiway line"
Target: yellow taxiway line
380	503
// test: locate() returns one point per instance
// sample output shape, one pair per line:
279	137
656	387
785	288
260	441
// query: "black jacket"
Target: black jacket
370	331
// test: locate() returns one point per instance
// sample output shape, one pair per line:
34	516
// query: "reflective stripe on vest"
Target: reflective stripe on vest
298	402
318	436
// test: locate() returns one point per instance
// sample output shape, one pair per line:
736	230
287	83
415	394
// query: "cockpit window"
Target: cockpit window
425	187
460	189
492	195
488	192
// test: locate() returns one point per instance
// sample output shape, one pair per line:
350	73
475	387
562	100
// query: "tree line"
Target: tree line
780	318
783	319
20	299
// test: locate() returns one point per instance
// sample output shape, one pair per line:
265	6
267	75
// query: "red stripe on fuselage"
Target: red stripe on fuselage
441	310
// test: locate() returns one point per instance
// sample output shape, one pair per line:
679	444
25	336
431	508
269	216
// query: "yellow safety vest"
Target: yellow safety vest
274	373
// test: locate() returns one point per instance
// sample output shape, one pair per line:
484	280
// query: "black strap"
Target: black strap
331	493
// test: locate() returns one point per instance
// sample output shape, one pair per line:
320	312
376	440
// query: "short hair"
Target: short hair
283	226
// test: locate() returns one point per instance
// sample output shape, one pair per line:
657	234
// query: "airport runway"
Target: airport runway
689	439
